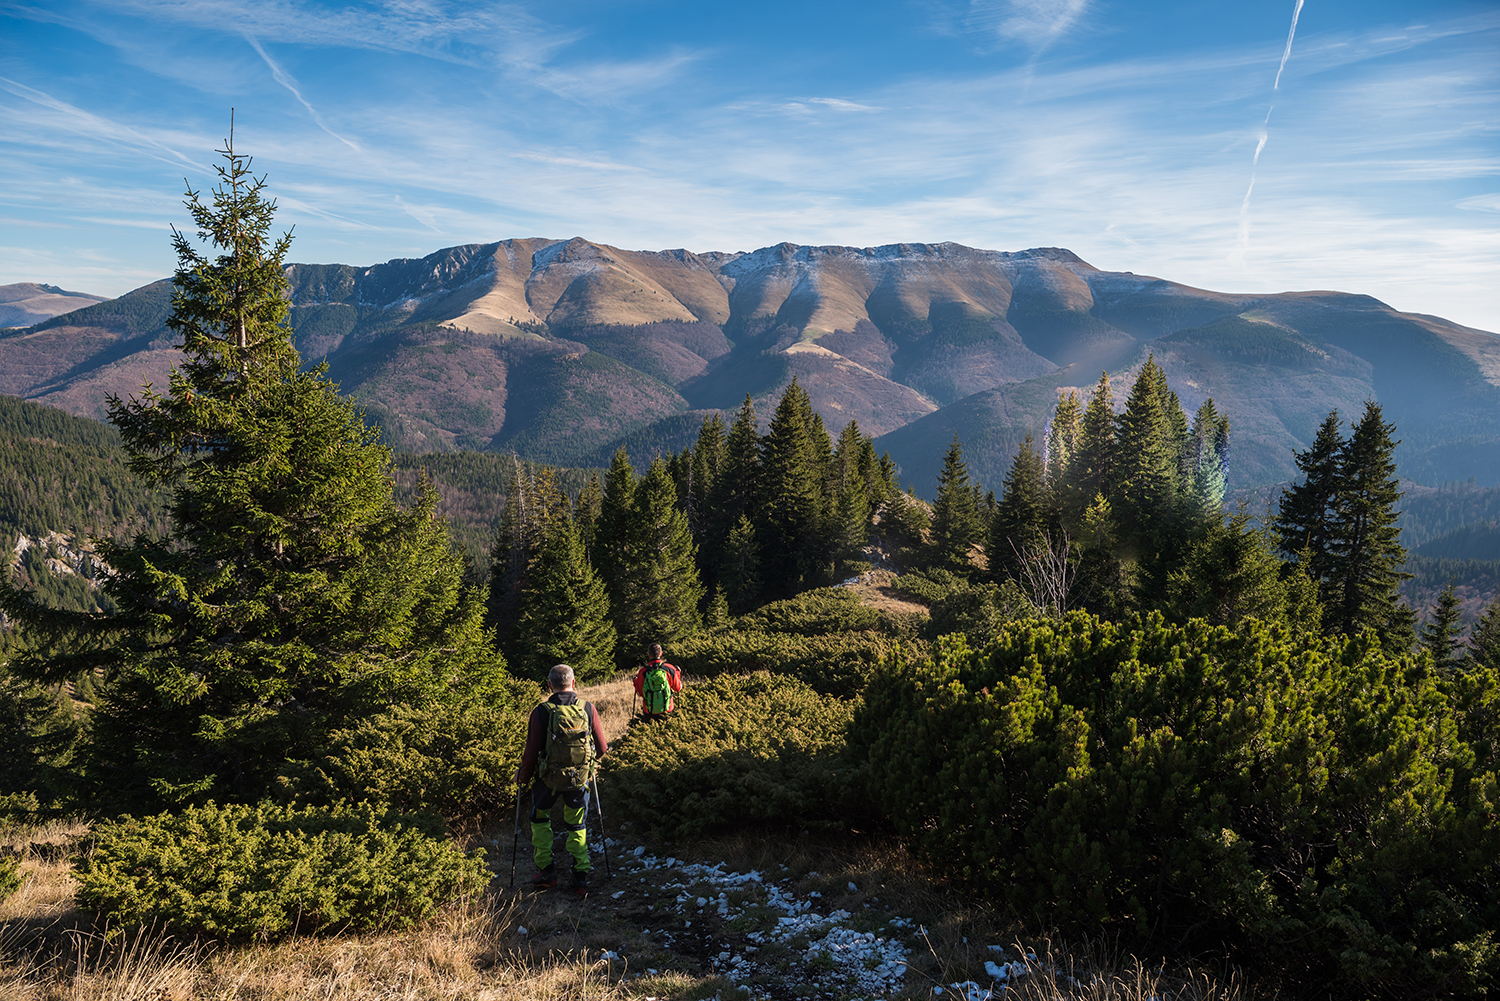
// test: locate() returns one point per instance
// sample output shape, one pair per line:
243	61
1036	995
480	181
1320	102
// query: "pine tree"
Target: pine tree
586	514
1146	485
532	503
740	570
614	533
1020	523
849	522
1206	463
1063	434
564	615
791	496
1232	573
1484	641
1091	472
708	465
1305	523
955	514
292	596
660	590
1440	636
1366	545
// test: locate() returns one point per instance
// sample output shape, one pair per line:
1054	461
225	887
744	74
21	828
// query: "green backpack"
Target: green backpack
656	692
568	753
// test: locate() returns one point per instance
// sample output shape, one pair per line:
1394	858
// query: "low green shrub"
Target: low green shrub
1314	805
454	757
263	871
836	664
813	613
929	586
763	749
10	877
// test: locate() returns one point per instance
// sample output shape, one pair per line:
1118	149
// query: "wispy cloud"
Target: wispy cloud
284	78
77	120
1034	23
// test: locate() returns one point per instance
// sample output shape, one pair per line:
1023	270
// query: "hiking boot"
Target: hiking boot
580	882
546	879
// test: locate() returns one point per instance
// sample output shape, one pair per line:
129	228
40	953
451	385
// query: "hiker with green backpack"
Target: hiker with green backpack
564	742
656	683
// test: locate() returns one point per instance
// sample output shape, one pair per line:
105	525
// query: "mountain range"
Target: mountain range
561	350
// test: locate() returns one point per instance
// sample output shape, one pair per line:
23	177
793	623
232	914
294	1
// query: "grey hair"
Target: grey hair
560	677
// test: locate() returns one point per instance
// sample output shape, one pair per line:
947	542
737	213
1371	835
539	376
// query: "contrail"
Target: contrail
1244	241
285	79
1288	50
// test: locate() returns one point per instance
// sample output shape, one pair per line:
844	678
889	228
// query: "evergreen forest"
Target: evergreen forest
1098	699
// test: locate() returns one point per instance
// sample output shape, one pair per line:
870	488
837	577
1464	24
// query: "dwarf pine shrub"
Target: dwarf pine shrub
827	638
242	871
10	877
1310	803
454	756
762	749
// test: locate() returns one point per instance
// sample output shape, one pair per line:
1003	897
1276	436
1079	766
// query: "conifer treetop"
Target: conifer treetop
232	310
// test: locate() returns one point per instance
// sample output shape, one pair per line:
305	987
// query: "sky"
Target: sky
1204	142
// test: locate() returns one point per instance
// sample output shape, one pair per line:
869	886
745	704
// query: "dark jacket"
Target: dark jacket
536	732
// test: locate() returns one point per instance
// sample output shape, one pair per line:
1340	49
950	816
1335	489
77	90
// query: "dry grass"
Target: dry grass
476	949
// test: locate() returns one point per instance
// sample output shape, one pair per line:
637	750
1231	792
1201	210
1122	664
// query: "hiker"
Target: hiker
656	683
564	740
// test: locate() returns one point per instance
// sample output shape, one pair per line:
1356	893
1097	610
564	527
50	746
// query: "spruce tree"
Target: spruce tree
1146	485
1063	434
1020	523
660	590
565	611
586	514
1440	636
956	526
1483	653
1206	463
292	596
1232	573
791	498
849	520
739	572
614	533
708	465
1091	472
1305	524
1366	545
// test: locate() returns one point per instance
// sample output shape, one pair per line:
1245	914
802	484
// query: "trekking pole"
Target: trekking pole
515	840
603	841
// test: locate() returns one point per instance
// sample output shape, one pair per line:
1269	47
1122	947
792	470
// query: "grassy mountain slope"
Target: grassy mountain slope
560	349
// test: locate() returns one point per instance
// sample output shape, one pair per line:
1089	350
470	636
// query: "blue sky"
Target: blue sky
1127	132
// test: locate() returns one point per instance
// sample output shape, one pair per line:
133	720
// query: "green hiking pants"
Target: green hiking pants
575	807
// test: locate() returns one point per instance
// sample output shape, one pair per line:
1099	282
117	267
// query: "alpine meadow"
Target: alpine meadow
999	678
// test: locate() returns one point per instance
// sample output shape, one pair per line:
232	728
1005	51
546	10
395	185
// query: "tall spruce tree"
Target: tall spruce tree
1146	485
849	517
1305	523
1206	464
292	596
614	533
660	590
956	525
1091	472
565	611
1020	522
1366	545
791	498
1063	433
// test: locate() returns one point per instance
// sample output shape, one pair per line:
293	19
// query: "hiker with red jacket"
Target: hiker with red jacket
564	741
656	683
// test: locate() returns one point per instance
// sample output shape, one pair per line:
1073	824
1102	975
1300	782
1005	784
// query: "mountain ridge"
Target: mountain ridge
560	349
